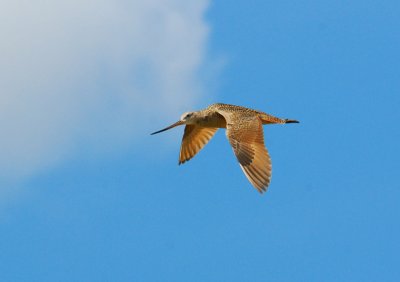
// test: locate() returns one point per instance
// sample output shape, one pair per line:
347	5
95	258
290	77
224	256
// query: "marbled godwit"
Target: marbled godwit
243	130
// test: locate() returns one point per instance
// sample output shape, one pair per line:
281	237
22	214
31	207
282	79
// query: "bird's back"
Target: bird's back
232	109
243	111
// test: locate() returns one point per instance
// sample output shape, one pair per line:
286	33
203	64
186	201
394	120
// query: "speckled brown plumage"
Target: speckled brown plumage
245	134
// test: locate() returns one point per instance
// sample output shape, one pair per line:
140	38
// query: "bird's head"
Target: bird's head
188	118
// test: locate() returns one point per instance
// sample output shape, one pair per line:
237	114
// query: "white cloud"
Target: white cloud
74	71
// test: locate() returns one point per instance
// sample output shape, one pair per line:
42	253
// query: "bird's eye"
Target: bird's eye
188	115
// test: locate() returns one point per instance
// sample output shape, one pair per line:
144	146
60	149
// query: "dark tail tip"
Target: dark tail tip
291	121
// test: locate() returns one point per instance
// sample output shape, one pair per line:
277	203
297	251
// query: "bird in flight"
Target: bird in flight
245	134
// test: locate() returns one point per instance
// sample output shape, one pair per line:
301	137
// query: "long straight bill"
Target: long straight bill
169	127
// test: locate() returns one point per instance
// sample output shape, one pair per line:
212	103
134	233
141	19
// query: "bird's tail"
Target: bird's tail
268	119
291	121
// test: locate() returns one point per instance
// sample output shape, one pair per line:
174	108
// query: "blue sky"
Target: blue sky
88	195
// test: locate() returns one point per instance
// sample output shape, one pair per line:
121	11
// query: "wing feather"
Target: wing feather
245	134
194	139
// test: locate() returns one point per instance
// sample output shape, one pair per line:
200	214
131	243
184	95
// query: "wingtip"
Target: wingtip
262	190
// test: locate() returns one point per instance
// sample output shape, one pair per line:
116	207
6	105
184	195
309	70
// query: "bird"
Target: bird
244	130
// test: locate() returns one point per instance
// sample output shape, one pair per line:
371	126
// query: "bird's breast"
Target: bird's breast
216	121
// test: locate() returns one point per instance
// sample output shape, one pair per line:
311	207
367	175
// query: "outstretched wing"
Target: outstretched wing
245	133
194	139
